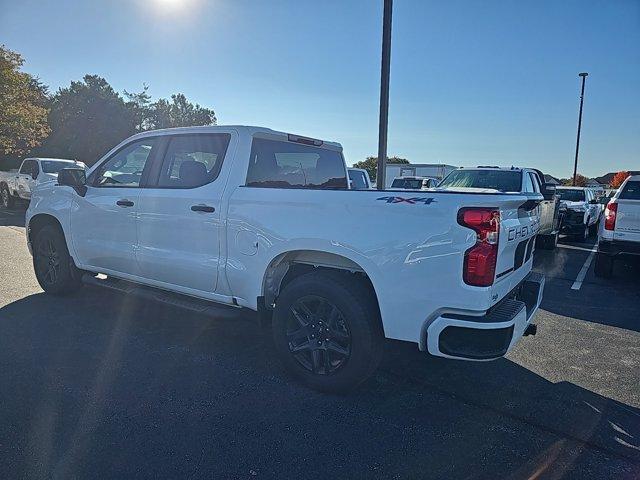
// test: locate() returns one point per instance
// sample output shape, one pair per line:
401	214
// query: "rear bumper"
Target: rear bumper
492	334
618	247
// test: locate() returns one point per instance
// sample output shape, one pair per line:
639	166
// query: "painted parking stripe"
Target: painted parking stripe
575	247
583	271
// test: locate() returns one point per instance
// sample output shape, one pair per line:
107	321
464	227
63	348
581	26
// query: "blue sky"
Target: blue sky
472	82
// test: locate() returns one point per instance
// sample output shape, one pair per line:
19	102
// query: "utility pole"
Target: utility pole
384	94
584	76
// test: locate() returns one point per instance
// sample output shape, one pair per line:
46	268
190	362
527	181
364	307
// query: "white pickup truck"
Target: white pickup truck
254	218
18	184
619	234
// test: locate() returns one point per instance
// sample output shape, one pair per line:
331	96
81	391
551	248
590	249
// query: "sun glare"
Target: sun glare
172	4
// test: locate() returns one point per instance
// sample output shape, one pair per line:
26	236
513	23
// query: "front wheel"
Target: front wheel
326	330
55	271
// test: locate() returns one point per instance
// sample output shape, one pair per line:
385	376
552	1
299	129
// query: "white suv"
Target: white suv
620	231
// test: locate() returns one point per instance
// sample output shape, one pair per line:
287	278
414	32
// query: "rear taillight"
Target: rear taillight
610	214
480	260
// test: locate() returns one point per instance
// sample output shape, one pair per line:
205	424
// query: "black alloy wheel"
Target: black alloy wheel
318	336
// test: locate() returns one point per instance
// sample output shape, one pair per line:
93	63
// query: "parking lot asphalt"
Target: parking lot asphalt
100	385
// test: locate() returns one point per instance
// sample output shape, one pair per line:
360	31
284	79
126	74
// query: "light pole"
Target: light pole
384	94
584	76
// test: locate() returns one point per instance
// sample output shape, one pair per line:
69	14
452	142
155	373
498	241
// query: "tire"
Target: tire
583	236
604	265
593	229
55	271
6	199
339	306
548	242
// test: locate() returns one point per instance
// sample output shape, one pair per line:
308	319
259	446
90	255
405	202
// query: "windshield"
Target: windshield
54	166
501	180
571	195
411	183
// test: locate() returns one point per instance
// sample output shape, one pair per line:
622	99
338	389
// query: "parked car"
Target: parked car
583	212
619	234
413	183
250	217
18	184
514	180
359	179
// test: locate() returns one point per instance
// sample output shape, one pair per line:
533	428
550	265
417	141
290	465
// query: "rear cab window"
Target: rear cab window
501	180
631	191
285	164
571	195
409	183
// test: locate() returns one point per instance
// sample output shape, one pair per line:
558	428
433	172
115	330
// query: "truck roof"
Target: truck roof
250	130
52	159
491	167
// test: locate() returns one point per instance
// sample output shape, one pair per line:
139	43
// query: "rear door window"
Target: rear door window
631	191
193	160
282	164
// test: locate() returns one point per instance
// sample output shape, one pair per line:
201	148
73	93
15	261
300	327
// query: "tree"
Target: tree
87	119
581	181
371	165
140	103
618	178
23	108
179	112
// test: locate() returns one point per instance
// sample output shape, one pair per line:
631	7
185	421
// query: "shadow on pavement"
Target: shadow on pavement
607	301
13	217
103	385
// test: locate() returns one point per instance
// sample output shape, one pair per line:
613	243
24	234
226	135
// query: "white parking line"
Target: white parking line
575	247
583	271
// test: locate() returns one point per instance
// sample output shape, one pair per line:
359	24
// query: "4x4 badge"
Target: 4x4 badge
412	200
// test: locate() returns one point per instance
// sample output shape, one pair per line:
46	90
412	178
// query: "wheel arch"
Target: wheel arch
41	220
289	265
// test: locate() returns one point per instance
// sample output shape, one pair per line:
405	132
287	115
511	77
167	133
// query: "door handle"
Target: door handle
203	208
124	203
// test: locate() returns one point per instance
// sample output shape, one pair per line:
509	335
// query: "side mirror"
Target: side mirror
75	178
548	191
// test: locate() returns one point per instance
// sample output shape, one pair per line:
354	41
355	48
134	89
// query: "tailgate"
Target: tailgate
519	225
628	221
628	216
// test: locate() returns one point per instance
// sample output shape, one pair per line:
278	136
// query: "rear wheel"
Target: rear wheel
584	234
604	265
593	229
55	271
548	242
326	330
6	198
